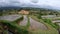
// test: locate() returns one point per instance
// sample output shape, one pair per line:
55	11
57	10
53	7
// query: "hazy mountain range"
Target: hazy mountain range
49	4
33	6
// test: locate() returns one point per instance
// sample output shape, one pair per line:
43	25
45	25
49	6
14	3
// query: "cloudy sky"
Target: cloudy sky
30	3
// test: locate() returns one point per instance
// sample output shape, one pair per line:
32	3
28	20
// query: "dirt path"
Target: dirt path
36	25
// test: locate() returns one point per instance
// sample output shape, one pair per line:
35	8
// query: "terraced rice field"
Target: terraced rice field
24	22
33	23
10	17
37	25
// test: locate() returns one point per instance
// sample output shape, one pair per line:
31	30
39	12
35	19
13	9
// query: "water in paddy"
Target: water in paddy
10	17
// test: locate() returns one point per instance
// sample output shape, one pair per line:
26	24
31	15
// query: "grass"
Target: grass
23	30
50	22
5	32
50	30
13	27
28	23
18	20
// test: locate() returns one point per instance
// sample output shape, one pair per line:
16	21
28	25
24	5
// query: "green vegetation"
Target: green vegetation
19	19
14	26
5	32
28	23
50	22
50	28
37	13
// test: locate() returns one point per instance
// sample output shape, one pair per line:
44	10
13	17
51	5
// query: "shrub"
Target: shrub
50	22
14	27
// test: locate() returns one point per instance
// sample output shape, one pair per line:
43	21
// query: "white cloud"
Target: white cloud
53	3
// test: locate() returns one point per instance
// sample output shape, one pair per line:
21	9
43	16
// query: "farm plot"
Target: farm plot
10	17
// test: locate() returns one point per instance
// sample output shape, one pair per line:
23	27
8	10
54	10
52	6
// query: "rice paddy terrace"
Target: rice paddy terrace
30	24
10	17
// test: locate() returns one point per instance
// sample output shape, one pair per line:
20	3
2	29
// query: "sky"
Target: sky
31	3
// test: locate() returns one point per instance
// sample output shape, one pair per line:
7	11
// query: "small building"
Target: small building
23	12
